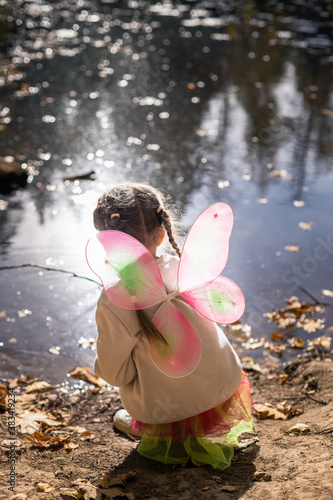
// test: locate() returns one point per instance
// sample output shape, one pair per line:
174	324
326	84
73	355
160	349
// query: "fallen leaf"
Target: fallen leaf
327	112
261	477
248	363
262	200
29	421
323	341
70	446
296	342
276	348
78	429
266	412
120	479
306	226
277	336
299	429
280	173
255	345
3	396
312	325
9	443
13	340
69	495
328	293
292	248
45	488
245	443
54	350
39	386
3	205
85	374
283	378
2	314
205	488
228	487
23	313
299	203
45	440
288	410
89	491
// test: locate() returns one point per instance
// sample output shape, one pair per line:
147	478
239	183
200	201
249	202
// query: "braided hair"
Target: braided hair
140	211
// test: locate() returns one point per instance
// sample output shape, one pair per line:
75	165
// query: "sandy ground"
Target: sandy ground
85	448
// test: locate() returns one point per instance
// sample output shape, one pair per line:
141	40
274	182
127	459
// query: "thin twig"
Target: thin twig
321	401
330	429
49	269
317	302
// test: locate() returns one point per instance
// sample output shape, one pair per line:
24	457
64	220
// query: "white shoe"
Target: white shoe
122	421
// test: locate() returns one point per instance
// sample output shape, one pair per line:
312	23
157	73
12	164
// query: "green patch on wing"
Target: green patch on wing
131	277
220	301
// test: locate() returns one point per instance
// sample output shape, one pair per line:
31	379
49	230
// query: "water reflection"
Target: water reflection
211	103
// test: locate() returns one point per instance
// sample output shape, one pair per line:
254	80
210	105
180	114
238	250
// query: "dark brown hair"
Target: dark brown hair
140	211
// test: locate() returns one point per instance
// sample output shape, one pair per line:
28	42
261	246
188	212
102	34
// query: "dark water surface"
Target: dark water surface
211	101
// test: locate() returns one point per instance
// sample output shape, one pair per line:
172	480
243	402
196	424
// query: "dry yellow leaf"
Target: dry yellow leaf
312	325
30	421
39	386
228	487
261	477
328	293
298	429
280	173
70	446
323	341
255	345
85	374
306	226
69	495
292	248
44	487
54	350
266	412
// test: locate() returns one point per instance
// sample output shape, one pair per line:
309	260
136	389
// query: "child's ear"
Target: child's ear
161	237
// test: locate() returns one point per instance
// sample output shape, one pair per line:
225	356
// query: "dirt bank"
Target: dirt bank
78	443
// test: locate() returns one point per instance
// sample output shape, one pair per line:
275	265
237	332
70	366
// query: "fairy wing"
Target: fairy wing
221	300
127	270
182	354
206	247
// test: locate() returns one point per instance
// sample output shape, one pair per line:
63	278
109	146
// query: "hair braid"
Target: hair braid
167	224
138	210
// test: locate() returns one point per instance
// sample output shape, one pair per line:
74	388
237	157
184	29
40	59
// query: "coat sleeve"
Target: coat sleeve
114	362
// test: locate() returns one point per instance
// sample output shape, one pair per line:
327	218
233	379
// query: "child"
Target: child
200	415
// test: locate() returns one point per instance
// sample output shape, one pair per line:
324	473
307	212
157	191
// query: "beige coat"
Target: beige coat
147	394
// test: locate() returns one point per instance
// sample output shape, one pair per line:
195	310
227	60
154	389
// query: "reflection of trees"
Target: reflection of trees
177	164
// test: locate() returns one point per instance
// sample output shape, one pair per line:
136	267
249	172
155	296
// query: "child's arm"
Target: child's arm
114	362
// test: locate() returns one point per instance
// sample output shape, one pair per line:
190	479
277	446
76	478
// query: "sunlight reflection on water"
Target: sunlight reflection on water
205	104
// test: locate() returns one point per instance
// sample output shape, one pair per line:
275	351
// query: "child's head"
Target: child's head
138	210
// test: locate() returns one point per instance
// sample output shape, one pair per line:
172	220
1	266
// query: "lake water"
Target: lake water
210	101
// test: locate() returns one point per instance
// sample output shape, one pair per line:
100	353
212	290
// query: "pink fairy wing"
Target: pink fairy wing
183	353
128	271
221	301
206	248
